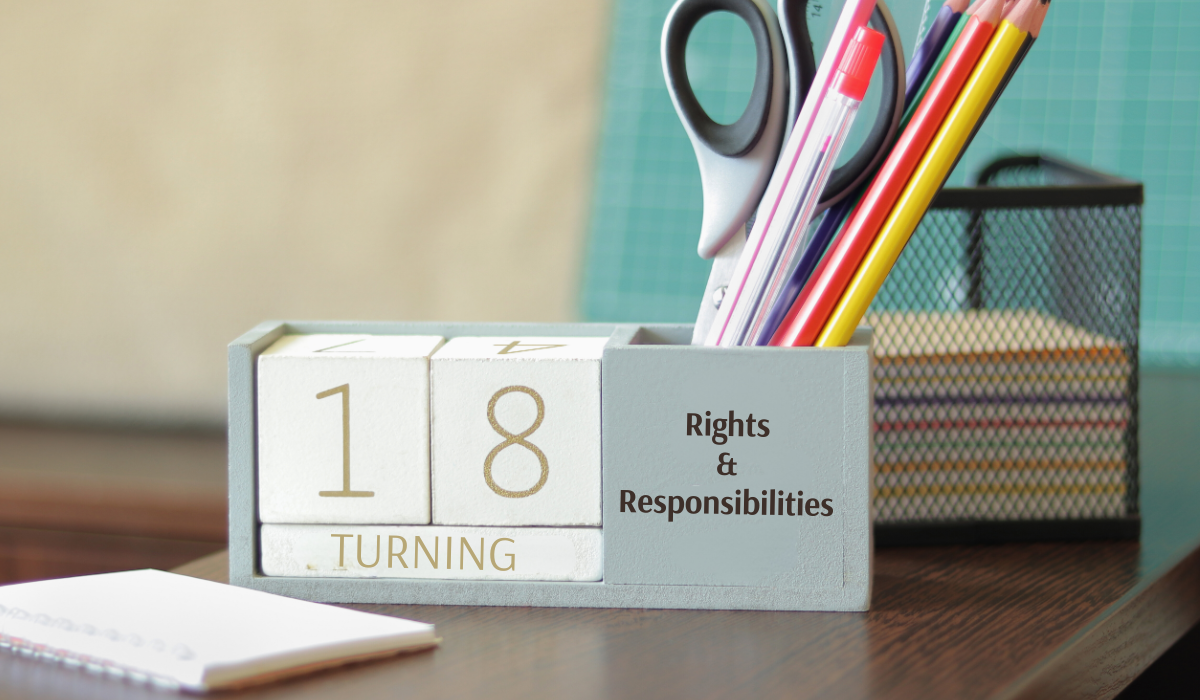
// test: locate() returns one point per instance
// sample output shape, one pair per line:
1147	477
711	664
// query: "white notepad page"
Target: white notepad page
176	630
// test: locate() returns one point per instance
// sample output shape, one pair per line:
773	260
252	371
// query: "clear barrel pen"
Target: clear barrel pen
785	239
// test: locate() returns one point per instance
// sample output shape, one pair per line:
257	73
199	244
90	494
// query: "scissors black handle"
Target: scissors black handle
802	64
727	139
738	138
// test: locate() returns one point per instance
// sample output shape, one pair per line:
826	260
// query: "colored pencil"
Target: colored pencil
1042	8
810	311
951	41
925	56
927	60
830	223
941	59
951	139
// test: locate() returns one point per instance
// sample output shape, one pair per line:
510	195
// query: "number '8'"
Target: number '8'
518	439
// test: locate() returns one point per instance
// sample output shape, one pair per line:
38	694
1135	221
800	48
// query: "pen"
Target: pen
829	131
854	15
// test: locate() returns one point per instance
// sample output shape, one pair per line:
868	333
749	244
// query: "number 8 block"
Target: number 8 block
343	429
516	431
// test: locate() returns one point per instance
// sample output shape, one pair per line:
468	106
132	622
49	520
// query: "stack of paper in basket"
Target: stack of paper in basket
997	415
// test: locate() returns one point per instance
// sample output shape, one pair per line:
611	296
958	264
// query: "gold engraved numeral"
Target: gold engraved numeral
515	347
516	439
344	390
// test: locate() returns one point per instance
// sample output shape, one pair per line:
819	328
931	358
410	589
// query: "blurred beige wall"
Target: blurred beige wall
172	173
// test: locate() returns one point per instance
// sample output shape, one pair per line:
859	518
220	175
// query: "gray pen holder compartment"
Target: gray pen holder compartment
686	522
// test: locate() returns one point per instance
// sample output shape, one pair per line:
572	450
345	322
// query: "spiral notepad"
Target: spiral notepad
179	632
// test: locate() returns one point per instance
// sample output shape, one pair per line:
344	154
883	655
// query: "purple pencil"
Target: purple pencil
926	54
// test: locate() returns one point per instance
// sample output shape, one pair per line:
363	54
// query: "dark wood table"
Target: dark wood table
81	500
1054	620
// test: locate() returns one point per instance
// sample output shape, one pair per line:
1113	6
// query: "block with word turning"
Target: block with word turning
516	431
433	552
343	429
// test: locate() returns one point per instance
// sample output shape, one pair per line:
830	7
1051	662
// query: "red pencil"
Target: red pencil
812	307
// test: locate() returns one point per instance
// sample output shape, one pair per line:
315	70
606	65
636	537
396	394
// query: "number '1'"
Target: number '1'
344	390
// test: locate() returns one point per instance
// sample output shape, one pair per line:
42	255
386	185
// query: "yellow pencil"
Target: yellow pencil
930	174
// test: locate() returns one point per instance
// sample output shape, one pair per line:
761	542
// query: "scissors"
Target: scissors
737	160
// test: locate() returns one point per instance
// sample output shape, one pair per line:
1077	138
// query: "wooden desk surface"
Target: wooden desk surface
79	500
1008	621
113	482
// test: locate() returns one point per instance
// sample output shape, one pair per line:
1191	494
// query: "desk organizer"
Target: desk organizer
812	410
1006	362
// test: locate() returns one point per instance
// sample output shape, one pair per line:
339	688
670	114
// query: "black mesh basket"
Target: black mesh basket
1006	351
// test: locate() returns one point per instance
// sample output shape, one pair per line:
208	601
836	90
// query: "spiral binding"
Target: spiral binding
82	662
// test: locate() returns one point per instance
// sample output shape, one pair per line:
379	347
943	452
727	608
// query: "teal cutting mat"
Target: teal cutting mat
1111	83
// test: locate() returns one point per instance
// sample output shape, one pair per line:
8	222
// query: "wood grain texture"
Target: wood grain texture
954	622
82	500
112	509
214	567
141	484
1107	655
27	554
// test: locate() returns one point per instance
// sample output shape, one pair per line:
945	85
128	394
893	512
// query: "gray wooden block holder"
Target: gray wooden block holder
819	402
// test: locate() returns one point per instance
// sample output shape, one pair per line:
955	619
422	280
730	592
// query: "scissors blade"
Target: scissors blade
718	279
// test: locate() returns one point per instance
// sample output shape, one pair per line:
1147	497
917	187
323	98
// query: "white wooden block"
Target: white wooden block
516	431
387	551
343	429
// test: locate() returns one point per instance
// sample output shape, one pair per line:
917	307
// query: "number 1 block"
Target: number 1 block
516	431
343	429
